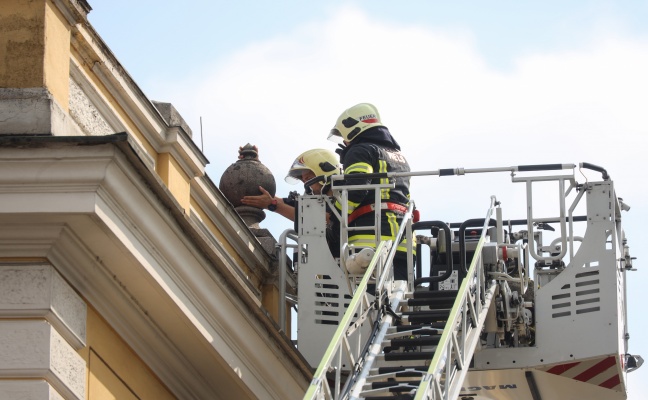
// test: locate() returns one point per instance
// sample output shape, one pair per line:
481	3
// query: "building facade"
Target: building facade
124	271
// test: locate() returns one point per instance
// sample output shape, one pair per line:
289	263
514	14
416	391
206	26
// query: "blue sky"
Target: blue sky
459	84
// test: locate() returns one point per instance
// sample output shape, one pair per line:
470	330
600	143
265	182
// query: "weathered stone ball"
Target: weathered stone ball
244	177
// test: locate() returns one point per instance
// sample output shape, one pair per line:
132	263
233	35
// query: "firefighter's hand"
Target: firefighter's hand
260	201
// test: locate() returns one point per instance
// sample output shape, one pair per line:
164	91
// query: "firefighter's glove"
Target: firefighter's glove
341	150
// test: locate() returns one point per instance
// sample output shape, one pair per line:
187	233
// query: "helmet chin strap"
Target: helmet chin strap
326	187
318	179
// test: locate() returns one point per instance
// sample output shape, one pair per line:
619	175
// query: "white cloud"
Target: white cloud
442	101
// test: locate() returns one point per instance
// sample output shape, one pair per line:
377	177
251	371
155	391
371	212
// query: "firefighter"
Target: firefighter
308	165
369	148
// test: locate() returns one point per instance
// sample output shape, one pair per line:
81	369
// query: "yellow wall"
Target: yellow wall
35	48
270	301
22	43
57	55
115	371
176	180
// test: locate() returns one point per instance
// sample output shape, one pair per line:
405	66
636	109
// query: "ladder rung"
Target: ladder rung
424	331
426	316
403	374
415	341
414	369
418	355
402	396
435	302
433	325
396	386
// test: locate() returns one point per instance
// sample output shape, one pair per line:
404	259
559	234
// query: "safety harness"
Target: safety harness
360	211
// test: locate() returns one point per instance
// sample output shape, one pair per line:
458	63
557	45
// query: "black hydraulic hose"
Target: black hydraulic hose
596	168
471	223
428	225
358	367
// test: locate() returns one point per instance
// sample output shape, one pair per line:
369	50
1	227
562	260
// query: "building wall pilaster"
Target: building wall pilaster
42	327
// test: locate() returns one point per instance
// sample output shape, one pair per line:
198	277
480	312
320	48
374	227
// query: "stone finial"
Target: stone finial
248	152
243	178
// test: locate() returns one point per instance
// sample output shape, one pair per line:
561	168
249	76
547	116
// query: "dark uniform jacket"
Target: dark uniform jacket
375	151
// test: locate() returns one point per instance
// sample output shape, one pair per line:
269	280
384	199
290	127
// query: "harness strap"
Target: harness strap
360	211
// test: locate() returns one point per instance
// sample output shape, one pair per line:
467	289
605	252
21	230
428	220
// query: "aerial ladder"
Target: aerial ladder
476	326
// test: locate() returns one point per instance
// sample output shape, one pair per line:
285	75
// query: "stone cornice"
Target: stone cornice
109	226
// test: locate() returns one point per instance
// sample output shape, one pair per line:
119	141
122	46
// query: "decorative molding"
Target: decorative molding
28	389
33	349
118	238
37	290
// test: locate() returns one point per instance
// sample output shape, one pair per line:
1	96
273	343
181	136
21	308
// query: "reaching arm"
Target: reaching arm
265	199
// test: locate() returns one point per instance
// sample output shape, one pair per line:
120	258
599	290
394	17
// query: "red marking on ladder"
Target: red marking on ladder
562	368
596	369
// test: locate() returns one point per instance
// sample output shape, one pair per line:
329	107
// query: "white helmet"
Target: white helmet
355	120
318	161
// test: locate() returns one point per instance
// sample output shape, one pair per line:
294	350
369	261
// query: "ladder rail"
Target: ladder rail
319	382
444	377
374	349
387	251
404	229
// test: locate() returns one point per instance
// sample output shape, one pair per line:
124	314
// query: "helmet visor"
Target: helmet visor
335	136
295	171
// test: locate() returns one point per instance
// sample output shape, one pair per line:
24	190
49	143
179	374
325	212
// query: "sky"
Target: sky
459	84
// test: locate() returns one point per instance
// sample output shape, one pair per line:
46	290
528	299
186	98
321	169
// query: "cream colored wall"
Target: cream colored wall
86	59
114	370
269	291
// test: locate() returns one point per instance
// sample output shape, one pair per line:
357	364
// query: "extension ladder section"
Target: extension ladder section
421	343
408	345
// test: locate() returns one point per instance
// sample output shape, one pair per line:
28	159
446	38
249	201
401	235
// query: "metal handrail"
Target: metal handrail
562	219
283	258
319	381
407	219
